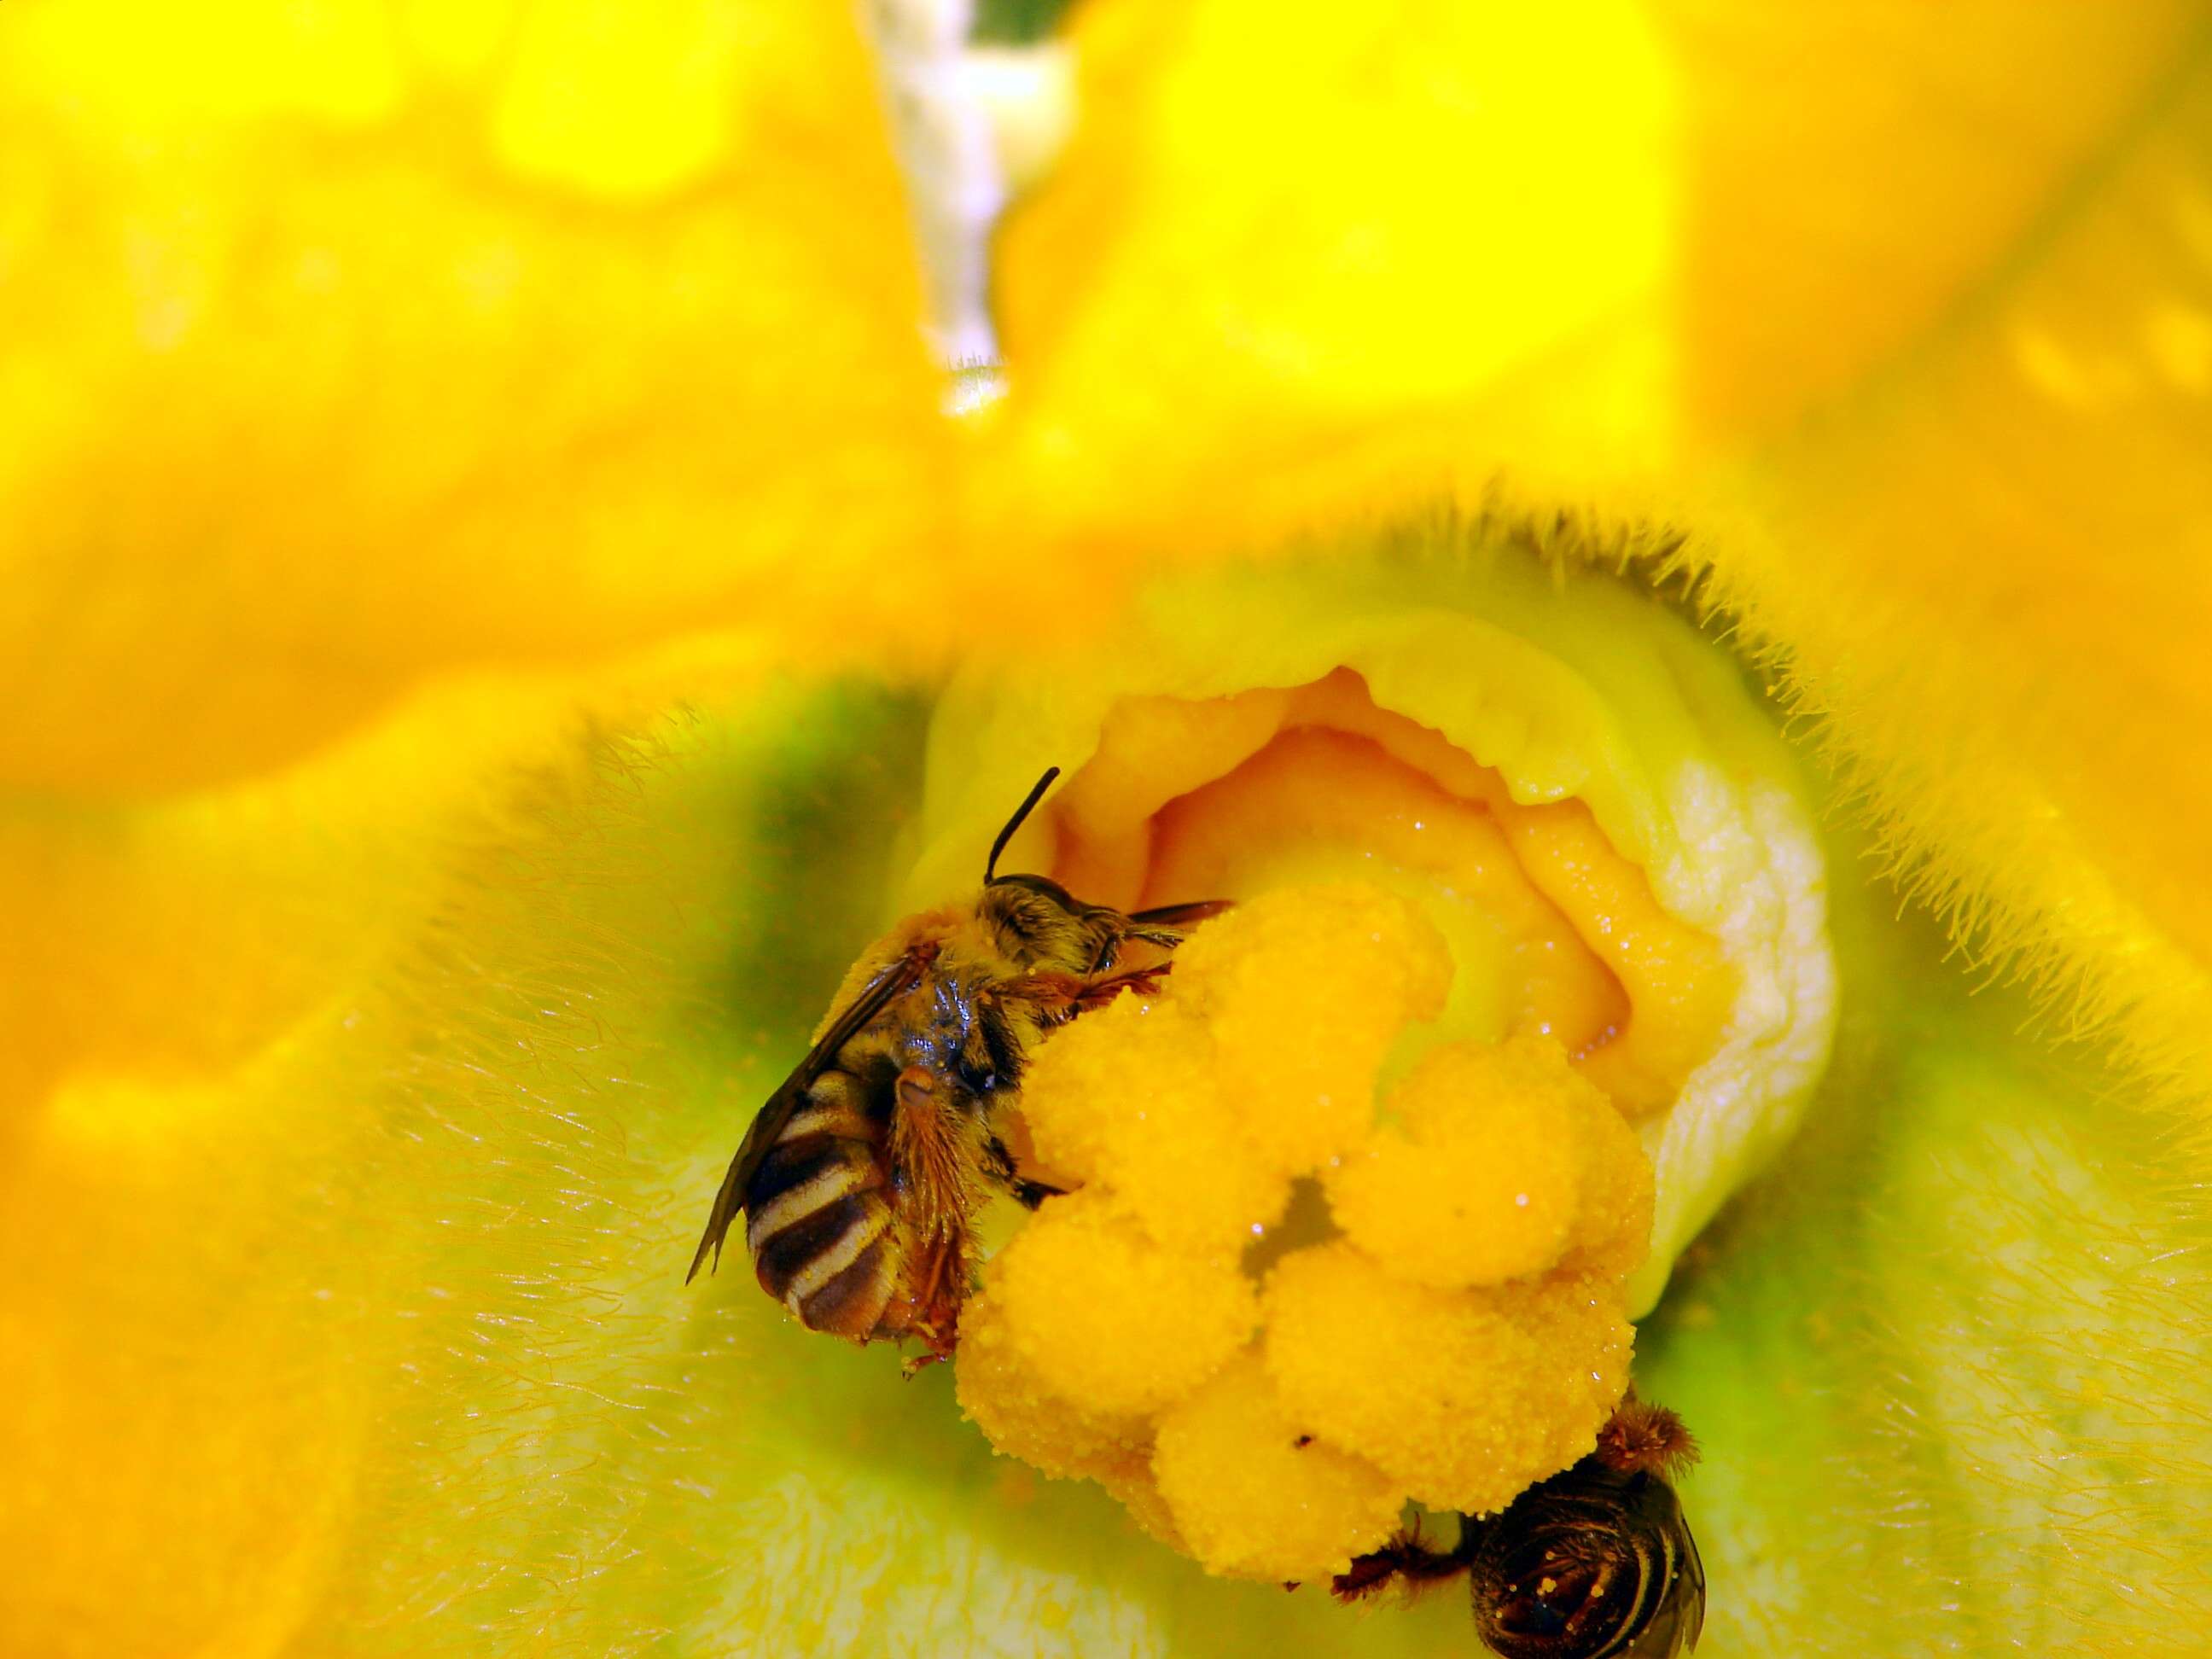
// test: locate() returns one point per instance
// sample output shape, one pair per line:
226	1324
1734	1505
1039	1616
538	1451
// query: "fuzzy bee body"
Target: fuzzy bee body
855	1213
818	1221
1597	1562
859	1176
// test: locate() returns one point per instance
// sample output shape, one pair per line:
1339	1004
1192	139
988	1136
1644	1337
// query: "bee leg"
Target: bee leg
1165	929
1145	981
915	1364
1058	998
1054	995
1164	938
1405	1558
937	1296
1027	1193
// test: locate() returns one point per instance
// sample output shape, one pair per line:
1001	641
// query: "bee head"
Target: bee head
1040	924
1037	922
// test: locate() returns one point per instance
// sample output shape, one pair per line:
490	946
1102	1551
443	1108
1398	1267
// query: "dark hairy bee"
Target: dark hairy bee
1596	1563
860	1176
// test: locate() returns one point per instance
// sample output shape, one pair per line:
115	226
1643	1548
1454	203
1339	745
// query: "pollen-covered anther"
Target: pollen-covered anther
1454	1335
1499	1159
999	1388
1128	1099
1304	991
1109	1321
1252	1493
1464	1397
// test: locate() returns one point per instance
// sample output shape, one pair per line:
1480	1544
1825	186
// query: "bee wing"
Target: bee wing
1679	1617
895	980
1690	1594
1180	915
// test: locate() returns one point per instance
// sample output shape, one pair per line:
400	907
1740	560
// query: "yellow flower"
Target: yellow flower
406	406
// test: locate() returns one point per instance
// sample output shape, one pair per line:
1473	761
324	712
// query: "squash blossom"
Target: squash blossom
1447	1012
1664	551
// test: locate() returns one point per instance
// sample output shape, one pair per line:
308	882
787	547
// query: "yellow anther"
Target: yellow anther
1455	1345
1464	1397
1255	1494
1304	991
1000	1388
1106	1320
1500	1160
1130	1101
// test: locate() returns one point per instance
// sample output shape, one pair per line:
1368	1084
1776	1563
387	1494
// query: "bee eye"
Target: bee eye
1106	928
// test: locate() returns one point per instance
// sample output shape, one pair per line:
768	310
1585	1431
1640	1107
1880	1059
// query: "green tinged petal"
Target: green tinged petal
1941	1364
1934	1362
568	1447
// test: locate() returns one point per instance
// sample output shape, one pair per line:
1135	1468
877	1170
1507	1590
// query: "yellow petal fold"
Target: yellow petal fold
171	941
1851	173
1989	573
351	343
1287	268
1900	321
203	1195
284	1235
378	374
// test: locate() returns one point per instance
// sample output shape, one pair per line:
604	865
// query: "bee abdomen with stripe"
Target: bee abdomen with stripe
818	1220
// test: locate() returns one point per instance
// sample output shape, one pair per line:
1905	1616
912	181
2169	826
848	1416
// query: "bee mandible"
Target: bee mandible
1597	1562
861	1177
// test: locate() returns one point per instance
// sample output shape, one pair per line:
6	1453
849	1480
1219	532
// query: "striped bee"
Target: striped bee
1596	1563
861	1175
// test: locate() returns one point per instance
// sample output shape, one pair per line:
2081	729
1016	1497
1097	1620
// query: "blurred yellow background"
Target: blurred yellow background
474	513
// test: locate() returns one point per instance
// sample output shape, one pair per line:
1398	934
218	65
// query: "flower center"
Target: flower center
1526	971
1464	1335
1480	1231
1551	930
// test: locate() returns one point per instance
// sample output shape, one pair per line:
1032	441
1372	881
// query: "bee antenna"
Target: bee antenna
1021	813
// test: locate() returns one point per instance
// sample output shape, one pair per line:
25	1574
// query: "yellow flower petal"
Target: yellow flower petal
558	1452
176	939
1560	683
233	1230
185	1362
1852	172
352	343
1331	260
1990	577
1951	1317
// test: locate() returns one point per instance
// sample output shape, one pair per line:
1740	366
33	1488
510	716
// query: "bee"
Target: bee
1596	1563
860	1176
